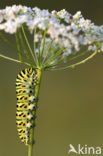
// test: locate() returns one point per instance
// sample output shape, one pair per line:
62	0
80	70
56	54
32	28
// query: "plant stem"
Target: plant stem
78	63
37	88
13	60
28	43
18	47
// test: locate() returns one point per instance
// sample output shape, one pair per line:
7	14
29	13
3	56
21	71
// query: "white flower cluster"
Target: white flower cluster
66	31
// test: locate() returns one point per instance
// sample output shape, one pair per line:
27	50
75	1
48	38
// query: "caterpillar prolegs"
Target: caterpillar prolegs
26	83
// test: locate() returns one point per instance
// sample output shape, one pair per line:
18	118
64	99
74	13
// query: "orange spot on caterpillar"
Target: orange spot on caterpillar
23	85
25	97
23	124
23	79
23	91
23	115
27	74
25	106
23	131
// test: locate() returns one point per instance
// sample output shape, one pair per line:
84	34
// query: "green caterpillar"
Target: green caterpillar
26	83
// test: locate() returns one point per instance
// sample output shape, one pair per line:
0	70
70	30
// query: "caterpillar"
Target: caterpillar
26	83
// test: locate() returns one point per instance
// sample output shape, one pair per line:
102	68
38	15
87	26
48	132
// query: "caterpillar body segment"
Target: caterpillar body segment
26	83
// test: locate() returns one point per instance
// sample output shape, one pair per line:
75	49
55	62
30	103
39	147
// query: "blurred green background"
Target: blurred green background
71	102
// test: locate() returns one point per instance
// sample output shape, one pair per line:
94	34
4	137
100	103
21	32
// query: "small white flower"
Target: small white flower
92	48
62	13
77	15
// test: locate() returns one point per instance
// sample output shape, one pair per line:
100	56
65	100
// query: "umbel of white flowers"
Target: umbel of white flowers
57	35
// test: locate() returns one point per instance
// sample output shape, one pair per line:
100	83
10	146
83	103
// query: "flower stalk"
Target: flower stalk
37	88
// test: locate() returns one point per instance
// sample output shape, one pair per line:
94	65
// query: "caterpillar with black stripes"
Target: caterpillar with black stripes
26	83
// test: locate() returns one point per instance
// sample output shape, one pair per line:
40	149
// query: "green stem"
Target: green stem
35	54
61	60
37	88
78	63
53	57
47	52
43	46
28	43
14	60
24	48
18	47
